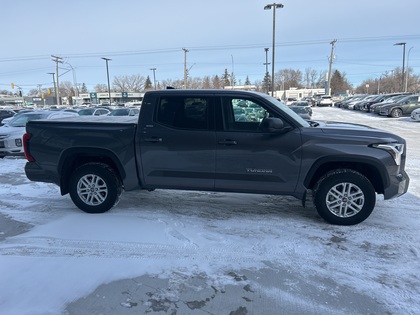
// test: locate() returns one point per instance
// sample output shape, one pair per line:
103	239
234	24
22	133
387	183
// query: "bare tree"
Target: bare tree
207	82
287	78
66	89
99	88
129	83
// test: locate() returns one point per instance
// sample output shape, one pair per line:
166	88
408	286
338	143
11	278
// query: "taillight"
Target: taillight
28	155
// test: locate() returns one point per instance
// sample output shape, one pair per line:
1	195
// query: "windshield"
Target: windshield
20	121
288	111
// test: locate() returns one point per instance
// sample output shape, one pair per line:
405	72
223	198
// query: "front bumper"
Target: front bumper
398	185
415	116
9	146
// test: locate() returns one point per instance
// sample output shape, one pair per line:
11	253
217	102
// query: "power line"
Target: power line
211	48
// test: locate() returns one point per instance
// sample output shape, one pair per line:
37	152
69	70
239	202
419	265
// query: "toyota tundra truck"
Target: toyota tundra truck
218	140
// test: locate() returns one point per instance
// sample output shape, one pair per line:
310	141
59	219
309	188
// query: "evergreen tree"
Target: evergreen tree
339	83
84	89
216	82
267	83
148	84
225	78
247	82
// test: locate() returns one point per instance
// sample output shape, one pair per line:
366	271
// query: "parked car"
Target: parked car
94	111
326	100
124	112
303	104
368	100
288	101
403	107
17	113
355	100
6	113
375	108
415	114
302	111
344	101
380	99
11	134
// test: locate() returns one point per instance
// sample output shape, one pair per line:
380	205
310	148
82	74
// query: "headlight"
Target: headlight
395	149
18	142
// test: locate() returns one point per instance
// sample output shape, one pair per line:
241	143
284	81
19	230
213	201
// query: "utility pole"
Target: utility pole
185	67
330	68
57	91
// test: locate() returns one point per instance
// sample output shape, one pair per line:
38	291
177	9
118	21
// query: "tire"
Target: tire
344	197
396	113
95	188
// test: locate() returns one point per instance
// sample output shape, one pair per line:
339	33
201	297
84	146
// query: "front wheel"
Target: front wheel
344	197
95	188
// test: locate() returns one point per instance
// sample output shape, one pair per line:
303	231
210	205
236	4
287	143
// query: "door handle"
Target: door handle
153	139
228	142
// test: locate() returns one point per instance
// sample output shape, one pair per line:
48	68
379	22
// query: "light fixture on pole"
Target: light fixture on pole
107	75
402	72
273	6
154	76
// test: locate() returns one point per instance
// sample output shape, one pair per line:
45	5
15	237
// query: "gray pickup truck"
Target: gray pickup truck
218	140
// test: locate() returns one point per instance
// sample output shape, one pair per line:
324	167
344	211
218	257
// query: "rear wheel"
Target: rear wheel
396	113
344	197
95	188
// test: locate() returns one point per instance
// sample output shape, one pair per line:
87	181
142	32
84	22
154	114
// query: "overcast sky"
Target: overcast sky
140	35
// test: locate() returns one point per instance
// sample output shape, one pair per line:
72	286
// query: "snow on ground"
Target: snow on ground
212	253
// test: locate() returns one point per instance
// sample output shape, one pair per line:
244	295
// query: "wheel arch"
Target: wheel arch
73	158
391	111
369	167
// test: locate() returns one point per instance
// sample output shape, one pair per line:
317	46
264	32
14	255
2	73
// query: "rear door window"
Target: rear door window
184	112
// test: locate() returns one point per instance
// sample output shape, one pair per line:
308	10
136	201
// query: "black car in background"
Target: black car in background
6	113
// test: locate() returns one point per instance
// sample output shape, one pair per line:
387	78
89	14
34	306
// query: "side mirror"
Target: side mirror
273	125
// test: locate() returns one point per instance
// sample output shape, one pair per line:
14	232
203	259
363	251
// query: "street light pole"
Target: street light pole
107	75
402	73
273	6
408	70
154	76
74	79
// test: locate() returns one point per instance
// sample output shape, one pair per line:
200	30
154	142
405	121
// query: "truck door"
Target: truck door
249	160
178	146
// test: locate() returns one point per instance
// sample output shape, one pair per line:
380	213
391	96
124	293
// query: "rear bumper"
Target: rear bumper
35	173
